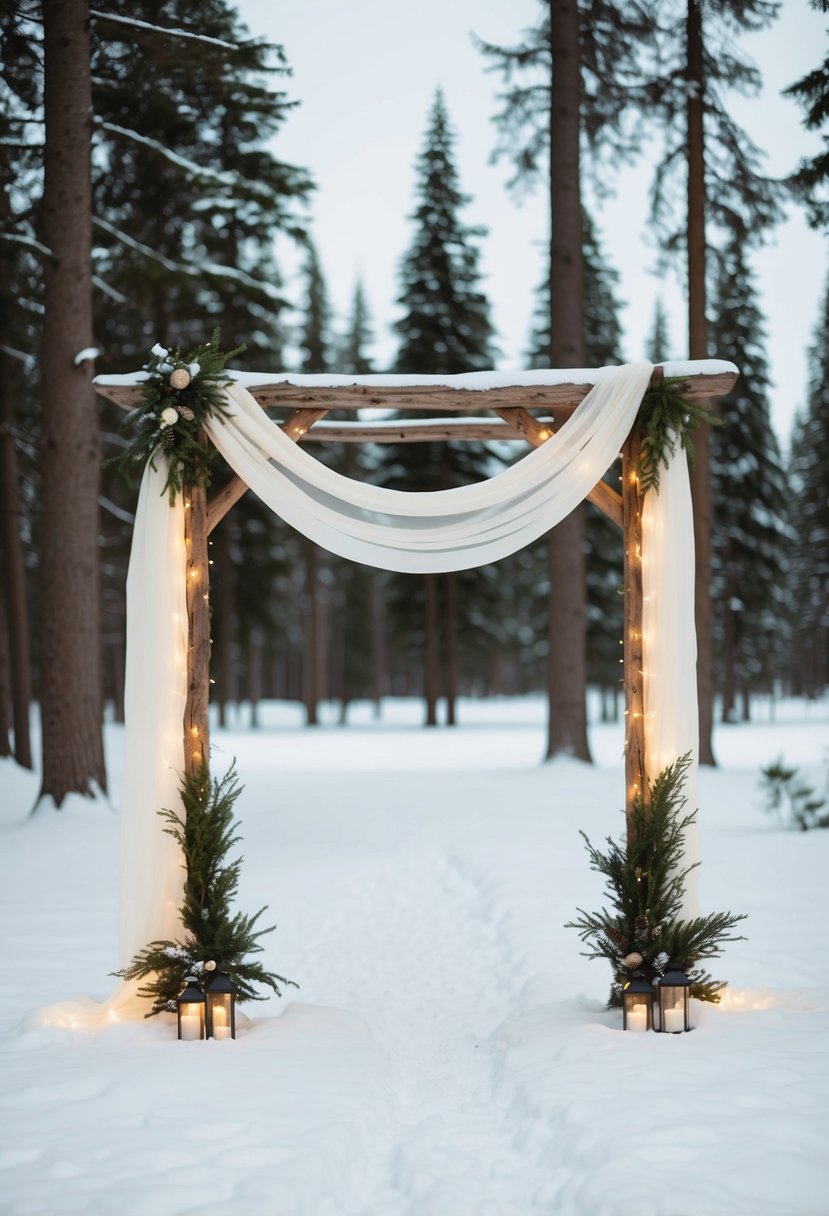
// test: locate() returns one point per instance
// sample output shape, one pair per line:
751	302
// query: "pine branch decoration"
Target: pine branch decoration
645	886
206	832
666	419
179	393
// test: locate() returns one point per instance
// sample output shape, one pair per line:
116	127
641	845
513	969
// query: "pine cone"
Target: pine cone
186	412
641	926
168	438
618	938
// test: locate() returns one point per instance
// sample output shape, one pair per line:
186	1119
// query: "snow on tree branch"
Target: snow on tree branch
28	242
160	29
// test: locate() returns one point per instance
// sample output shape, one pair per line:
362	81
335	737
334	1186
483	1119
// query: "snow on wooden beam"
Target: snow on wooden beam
550	390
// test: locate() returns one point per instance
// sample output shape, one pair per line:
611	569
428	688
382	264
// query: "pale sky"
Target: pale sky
365	74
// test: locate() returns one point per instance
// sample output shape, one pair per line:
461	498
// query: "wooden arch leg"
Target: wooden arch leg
635	781
196	721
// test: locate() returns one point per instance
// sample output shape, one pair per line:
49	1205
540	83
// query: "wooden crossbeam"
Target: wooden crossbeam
433	397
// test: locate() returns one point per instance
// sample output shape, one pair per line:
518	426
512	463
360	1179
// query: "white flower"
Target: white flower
180	378
169	416
210	965
159	351
632	960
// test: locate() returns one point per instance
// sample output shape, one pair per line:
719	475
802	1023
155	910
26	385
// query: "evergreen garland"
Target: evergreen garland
215	937
178	395
666	419
645	886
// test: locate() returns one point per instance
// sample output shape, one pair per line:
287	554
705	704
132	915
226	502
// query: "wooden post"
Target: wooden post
196	722
635	783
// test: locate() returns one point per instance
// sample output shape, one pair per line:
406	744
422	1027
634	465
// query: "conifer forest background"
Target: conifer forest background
143	198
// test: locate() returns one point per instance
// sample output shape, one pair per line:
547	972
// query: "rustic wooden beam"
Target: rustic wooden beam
196	720
236	488
537	432
635	782
436	397
403	431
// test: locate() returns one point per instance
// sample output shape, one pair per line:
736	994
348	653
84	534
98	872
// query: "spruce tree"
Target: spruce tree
750	538
659	341
353	351
810	179
315	336
809	582
445	328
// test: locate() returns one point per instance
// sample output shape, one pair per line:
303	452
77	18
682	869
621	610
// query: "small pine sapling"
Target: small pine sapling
645	887
214	935
784	786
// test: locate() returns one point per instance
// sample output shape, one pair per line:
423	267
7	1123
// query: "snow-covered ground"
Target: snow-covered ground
447	1052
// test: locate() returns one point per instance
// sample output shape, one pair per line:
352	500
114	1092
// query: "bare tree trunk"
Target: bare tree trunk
450	622
16	628
698	349
430	658
5	682
256	657
728	712
311	665
71	702
379	659
14	570
567	660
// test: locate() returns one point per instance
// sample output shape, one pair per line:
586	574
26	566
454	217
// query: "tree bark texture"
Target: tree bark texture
14	573
450	620
196	712
698	349
567	661
635	773
5	682
431	630
312	665
71	699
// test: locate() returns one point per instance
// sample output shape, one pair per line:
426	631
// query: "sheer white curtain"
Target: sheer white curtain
422	532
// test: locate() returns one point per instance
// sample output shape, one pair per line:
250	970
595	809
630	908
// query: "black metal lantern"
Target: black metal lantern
673	1000
221	1007
190	1008
637	1008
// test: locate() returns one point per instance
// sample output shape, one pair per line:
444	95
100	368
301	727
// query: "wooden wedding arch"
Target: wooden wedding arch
530	414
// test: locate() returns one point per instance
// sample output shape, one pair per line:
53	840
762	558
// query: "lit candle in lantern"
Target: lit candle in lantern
674	1021
638	1019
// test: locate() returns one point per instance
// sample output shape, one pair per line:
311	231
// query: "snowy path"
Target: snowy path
447	1053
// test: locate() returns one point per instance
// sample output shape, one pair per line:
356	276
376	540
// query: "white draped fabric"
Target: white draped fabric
416	532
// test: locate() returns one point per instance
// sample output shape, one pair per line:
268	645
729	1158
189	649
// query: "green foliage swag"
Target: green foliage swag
178	395
645	887
206	832
666	419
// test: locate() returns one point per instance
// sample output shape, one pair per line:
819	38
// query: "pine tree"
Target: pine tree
352	355
445	329
315	337
446	326
809	584
750	538
215	936
810	180
659	342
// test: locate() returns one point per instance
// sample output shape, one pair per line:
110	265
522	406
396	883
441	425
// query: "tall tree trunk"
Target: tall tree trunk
256	662
430	659
14	571
5	682
379	658
71	702
311	665
698	349
729	657
16	632
567	659
450	623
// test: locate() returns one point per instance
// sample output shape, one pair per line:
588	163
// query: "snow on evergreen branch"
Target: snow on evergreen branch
116	19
